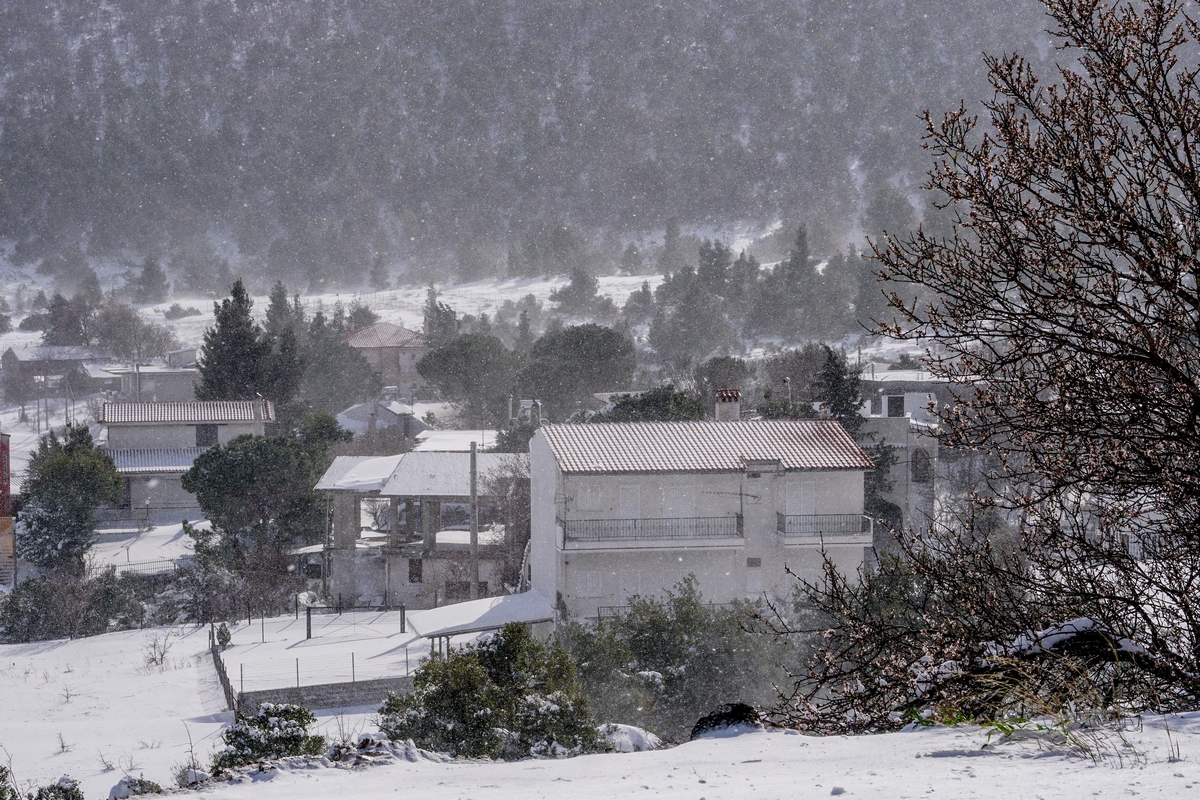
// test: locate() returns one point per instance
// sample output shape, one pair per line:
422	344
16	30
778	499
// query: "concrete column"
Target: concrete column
431	521
346	522
410	519
395	536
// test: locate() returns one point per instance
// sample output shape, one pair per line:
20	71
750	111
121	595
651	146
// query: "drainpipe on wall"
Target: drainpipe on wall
474	529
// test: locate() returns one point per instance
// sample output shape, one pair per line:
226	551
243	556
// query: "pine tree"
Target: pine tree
379	274
524	339
234	359
67	478
838	388
152	284
280	313
715	261
441	323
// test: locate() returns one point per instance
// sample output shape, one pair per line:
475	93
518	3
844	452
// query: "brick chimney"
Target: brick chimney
729	405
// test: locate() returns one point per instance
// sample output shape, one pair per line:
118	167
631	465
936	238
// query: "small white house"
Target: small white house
153	444
632	508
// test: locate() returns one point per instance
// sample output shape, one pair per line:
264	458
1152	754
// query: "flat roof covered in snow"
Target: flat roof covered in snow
445	474
358	473
487	614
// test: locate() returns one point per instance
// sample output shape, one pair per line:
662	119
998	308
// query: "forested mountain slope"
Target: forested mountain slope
316	134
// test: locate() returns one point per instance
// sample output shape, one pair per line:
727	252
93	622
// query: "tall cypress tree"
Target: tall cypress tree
838	387
234	360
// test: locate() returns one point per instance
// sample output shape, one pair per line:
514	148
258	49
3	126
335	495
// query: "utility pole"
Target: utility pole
474	529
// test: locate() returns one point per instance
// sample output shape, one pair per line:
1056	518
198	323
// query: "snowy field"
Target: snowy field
354	645
81	707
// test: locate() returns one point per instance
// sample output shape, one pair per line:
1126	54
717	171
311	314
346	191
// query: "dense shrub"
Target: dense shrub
64	789
63	606
666	662
278	730
511	696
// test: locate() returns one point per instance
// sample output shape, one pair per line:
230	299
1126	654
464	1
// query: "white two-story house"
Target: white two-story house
632	508
153	444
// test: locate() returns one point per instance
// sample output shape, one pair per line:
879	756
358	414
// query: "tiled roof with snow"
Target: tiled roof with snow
188	412
385	334
154	460
636	447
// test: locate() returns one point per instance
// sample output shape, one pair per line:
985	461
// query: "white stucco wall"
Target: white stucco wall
129	437
586	575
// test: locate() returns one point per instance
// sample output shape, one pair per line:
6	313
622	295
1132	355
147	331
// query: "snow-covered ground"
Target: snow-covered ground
119	547
75	707
942	762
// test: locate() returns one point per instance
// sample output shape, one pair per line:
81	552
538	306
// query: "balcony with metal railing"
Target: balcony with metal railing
615	531
801	528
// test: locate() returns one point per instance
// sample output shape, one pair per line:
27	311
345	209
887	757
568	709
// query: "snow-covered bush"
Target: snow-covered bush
8	788
511	696
666	662
129	786
278	730
62	606
63	789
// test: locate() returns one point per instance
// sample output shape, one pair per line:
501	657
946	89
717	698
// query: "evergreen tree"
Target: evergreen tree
713	271
524	338
67	478
152	284
474	370
839	392
662	404
743	277
441	323
67	321
672	257
360	316
379	274
566	366
578	296
281	313
235	356
639	306
335	374
632	260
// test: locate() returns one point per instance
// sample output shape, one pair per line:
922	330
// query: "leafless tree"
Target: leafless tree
1068	296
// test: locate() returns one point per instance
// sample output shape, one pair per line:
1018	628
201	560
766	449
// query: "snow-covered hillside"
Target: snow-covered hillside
75	707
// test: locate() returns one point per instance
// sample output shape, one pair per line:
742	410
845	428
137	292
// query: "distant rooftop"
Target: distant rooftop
385	334
188	412
640	447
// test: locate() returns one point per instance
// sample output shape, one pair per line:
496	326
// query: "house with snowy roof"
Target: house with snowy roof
153	444
393	351
399	528
624	509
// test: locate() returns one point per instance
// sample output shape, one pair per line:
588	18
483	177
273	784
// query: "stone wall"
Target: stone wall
326	695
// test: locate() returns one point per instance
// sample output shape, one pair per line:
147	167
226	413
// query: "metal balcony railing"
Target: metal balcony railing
602	530
804	525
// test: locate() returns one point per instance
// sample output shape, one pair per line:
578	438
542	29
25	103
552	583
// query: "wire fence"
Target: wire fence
317	670
361	623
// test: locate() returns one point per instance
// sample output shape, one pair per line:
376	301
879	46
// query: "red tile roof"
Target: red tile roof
385	334
188	411
703	446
